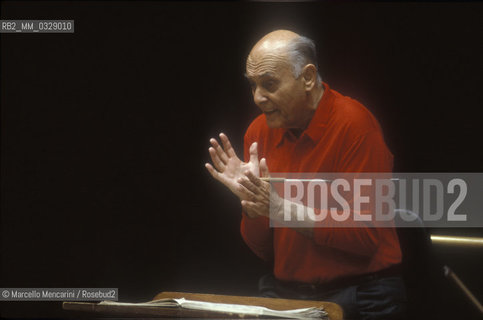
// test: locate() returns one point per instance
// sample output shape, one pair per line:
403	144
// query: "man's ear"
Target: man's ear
309	76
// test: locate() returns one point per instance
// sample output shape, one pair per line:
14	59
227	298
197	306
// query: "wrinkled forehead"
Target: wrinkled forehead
261	63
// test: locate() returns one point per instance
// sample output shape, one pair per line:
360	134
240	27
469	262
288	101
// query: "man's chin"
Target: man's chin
274	120
273	124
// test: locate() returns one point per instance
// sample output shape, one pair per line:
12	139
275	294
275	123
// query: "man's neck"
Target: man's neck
316	96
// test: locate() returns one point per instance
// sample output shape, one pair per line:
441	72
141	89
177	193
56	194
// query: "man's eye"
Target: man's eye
269	85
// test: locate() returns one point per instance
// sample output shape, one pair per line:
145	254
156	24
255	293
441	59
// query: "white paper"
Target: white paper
305	313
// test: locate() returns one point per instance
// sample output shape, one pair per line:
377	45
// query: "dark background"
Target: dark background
105	132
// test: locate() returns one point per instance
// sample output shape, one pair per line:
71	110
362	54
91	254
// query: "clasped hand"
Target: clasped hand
243	178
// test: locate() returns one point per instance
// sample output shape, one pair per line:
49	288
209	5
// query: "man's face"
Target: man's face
275	90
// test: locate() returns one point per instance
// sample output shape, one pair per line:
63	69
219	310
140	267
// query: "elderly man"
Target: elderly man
308	127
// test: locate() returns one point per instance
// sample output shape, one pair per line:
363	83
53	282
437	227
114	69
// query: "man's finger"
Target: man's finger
215	174
264	168
219	165
249	185
254	153
227	145
249	194
221	153
253	178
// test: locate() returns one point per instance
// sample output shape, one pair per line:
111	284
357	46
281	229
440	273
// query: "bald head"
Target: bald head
274	42
270	51
286	47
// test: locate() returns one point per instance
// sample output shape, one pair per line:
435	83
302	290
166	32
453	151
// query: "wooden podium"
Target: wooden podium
334	310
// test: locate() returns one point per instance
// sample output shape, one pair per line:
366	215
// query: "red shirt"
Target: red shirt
343	136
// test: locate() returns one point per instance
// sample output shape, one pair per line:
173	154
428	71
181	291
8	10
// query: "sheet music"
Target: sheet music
304	313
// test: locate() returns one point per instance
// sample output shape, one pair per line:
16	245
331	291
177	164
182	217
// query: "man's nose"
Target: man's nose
259	97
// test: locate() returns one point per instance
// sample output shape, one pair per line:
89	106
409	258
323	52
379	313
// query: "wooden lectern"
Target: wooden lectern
334	310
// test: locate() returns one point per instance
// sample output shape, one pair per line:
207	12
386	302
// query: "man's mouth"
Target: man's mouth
270	112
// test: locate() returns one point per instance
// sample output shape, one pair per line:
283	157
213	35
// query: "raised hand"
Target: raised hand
261	198
228	168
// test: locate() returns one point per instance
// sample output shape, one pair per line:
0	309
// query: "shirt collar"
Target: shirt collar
319	120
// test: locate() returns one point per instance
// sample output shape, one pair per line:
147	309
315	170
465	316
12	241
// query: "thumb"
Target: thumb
254	153
264	168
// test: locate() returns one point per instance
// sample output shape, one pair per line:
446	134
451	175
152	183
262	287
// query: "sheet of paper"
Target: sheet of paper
305	313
